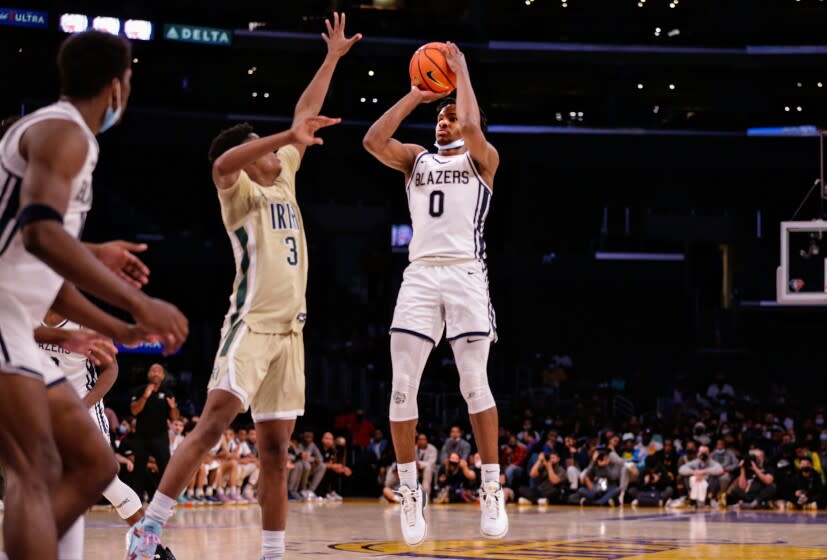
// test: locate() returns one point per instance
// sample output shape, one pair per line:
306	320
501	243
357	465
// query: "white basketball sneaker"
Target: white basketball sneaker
414	528
493	519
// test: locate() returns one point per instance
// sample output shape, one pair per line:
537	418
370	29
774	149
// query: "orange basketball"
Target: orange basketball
429	70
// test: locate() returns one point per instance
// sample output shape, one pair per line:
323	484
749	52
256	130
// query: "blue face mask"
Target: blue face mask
112	116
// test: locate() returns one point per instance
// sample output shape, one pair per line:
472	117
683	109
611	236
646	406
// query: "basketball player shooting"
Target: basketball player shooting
260	359
47	162
445	287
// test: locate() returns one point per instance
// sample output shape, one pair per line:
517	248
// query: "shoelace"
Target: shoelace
408	505
491	502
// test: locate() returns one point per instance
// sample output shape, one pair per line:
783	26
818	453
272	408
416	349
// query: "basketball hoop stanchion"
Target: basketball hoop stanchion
785	292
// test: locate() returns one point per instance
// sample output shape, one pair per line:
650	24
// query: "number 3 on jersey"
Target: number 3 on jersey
293	258
437	204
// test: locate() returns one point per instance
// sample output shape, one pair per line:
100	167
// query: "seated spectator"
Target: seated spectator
309	453
728	461
298	470
547	481
513	456
335	468
426	458
390	488
755	486
249	466
806	488
702	475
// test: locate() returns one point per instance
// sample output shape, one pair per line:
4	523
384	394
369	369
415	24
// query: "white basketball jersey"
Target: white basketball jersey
448	201
23	275
78	369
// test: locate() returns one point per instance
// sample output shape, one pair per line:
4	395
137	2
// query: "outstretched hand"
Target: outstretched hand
304	130
337	44
118	256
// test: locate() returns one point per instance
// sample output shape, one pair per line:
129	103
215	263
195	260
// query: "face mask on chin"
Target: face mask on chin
112	116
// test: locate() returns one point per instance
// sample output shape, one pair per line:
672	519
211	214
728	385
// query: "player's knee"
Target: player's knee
273	455
476	392
403	399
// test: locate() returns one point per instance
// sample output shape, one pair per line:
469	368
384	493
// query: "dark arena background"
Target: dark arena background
650	151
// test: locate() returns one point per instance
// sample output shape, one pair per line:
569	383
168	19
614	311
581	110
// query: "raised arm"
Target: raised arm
379	139
311	100
228	166
56	152
468	113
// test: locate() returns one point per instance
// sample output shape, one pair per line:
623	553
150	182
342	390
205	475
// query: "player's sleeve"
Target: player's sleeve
237	200
290	162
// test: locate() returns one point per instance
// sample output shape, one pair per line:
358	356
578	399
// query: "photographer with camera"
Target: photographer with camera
547	480
755	486
457	481
601	480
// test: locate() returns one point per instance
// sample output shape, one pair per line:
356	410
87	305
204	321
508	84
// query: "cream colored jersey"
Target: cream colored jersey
267	235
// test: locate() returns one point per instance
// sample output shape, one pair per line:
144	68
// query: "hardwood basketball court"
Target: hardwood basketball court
369	530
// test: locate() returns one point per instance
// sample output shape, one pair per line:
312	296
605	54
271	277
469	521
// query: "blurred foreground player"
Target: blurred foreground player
46	164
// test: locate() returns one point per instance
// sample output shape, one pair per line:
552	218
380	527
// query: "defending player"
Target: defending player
260	360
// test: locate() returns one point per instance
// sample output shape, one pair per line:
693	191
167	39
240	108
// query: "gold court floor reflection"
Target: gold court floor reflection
370	530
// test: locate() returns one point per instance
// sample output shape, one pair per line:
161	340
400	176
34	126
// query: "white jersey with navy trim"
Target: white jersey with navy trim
448	202
77	368
22	275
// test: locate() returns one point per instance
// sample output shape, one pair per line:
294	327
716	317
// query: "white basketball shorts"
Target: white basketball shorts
453	297
19	353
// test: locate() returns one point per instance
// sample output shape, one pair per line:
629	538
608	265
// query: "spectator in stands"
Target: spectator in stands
335	468
298	470
426	459
528	433
176	431
309	453
249	465
454	444
728	461
702	476
513	457
805	488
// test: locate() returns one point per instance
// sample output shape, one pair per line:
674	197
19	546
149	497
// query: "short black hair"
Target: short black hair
228	139
88	61
452	101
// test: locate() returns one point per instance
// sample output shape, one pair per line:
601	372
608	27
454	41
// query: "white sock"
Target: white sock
491	473
70	545
160	508
126	501
272	545
407	474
